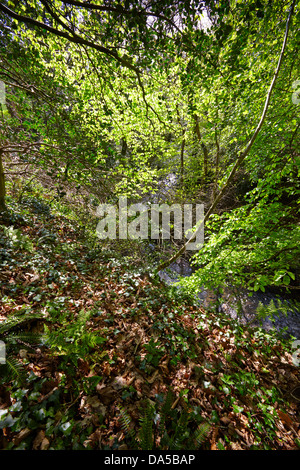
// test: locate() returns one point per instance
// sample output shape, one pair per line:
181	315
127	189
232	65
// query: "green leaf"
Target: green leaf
238	409
286	280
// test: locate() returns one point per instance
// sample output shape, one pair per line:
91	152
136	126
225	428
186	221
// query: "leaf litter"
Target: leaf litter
117	338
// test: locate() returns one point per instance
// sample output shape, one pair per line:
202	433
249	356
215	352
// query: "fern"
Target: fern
173	429
145	435
28	339
180	432
17	322
201	433
126	426
125	420
273	309
167	405
13	369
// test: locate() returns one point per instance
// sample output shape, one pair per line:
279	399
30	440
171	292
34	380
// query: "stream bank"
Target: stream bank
242	306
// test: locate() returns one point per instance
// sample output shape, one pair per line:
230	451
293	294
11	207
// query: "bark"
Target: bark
182	159
2	185
203	146
216	166
241	157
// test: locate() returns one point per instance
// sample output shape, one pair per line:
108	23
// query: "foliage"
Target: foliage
114	339
17	239
161	427
42	416
108	99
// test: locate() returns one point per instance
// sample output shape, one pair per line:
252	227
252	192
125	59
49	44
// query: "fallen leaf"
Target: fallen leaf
285	419
119	383
21	436
38	439
107	394
225	420
45	444
153	377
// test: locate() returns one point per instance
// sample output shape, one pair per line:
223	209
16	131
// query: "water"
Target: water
242	306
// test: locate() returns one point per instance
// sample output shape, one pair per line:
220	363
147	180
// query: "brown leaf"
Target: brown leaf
153	377
38	439
236	446
119	383
213	444
45	444
225	420
107	394
96	405
83	366
93	439
21	436
285	419
106	369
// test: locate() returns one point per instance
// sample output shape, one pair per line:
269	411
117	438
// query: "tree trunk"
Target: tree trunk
2	185
203	146
216	167
182	159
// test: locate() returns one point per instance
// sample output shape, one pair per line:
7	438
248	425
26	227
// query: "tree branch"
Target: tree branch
56	17
123	11
74	38
242	155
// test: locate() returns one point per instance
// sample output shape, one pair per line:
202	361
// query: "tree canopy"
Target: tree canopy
160	102
118	94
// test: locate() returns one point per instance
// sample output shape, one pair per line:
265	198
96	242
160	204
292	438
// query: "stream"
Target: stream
241	306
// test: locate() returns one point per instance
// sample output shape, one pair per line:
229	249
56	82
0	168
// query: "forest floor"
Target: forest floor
124	361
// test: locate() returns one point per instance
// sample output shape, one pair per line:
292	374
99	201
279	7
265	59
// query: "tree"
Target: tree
244	153
173	95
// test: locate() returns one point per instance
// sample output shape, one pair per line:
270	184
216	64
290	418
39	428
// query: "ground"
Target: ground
124	361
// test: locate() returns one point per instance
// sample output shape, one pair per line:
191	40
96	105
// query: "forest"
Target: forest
149	332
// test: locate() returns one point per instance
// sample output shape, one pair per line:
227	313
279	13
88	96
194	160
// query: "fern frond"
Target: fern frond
181	432
174	428
125	421
201	433
28	339
146	430
164	414
167	406
12	370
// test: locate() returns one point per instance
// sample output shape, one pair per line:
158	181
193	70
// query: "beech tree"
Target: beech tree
134	90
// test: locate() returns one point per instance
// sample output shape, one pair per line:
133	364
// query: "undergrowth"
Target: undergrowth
102	356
